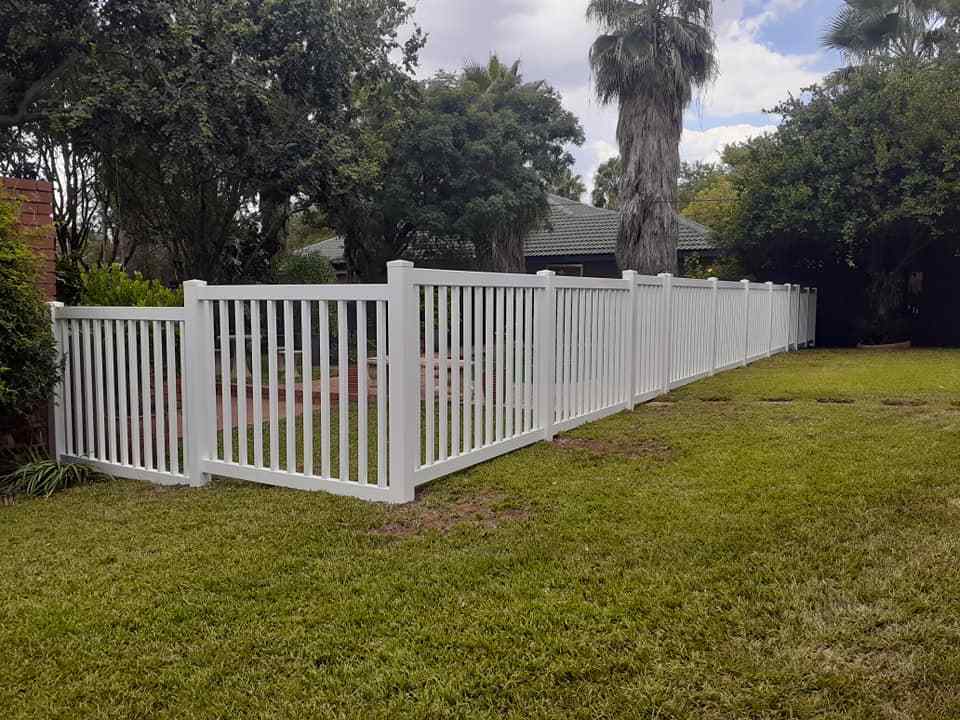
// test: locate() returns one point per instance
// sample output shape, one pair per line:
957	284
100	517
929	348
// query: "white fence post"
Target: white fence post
630	345
666	330
404	381
546	342
715	316
812	321
56	405
770	338
786	318
199	418
746	321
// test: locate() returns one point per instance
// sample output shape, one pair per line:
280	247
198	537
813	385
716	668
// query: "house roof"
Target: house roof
332	249
574	228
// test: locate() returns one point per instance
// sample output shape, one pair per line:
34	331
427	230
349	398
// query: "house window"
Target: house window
570	269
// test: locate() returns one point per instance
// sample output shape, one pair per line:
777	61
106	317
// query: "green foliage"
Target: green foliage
212	121
724	267
39	476
461	160
714	205
112	286
303	269
567	184
606	184
652	48
871	30
695	177
28	360
858	186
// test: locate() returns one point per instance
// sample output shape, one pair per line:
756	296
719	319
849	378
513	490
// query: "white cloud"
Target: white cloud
706	145
754	77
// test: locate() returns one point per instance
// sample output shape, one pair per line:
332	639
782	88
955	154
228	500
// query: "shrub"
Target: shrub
308	269
112	286
39	476
29	367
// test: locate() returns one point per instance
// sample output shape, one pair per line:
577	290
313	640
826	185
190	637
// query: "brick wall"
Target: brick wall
36	212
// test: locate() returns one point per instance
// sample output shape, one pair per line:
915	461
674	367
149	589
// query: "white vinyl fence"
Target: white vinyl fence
372	390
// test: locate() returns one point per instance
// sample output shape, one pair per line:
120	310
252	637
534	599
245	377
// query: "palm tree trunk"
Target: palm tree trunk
649	137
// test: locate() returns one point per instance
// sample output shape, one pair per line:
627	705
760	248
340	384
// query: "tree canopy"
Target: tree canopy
859	186
462	164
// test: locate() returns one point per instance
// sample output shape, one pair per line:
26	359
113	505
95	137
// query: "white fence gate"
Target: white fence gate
372	390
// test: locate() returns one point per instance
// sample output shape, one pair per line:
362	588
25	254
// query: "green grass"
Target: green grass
735	559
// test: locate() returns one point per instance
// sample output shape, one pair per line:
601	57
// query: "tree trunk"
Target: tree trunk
508	250
649	136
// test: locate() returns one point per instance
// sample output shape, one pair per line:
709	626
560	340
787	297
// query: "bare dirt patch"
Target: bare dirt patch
482	510
903	402
835	401
632	448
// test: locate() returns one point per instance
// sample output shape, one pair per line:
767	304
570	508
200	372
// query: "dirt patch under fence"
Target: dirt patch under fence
483	510
633	448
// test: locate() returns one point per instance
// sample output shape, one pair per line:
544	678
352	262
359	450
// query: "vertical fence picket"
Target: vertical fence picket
362	448
226	390
343	390
240	344
382	394
429	325
98	386
256	381
456	353
478	365
123	417
289	387
488	369
324	332
159	414
173	379
306	383
443	382
273	391
111	381
468	376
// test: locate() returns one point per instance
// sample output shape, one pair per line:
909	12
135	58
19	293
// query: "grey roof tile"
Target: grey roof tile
574	228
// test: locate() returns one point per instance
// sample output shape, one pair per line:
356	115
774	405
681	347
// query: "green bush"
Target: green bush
29	367
309	269
39	476
112	286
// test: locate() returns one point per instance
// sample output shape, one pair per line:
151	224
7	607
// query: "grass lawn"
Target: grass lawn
752	549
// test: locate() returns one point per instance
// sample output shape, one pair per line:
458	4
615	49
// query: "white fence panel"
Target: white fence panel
372	390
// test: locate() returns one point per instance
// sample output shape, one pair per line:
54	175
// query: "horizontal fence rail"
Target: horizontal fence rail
372	390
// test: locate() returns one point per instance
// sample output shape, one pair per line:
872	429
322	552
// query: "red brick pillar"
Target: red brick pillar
36	214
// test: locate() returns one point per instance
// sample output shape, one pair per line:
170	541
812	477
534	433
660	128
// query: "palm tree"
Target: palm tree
649	57
870	30
566	183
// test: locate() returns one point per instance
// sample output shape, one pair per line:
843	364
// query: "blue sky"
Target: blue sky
767	50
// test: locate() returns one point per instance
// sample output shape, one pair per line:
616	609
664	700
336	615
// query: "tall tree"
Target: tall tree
870	30
606	184
458	164
650	56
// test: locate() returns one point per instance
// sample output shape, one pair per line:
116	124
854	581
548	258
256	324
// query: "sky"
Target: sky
767	49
